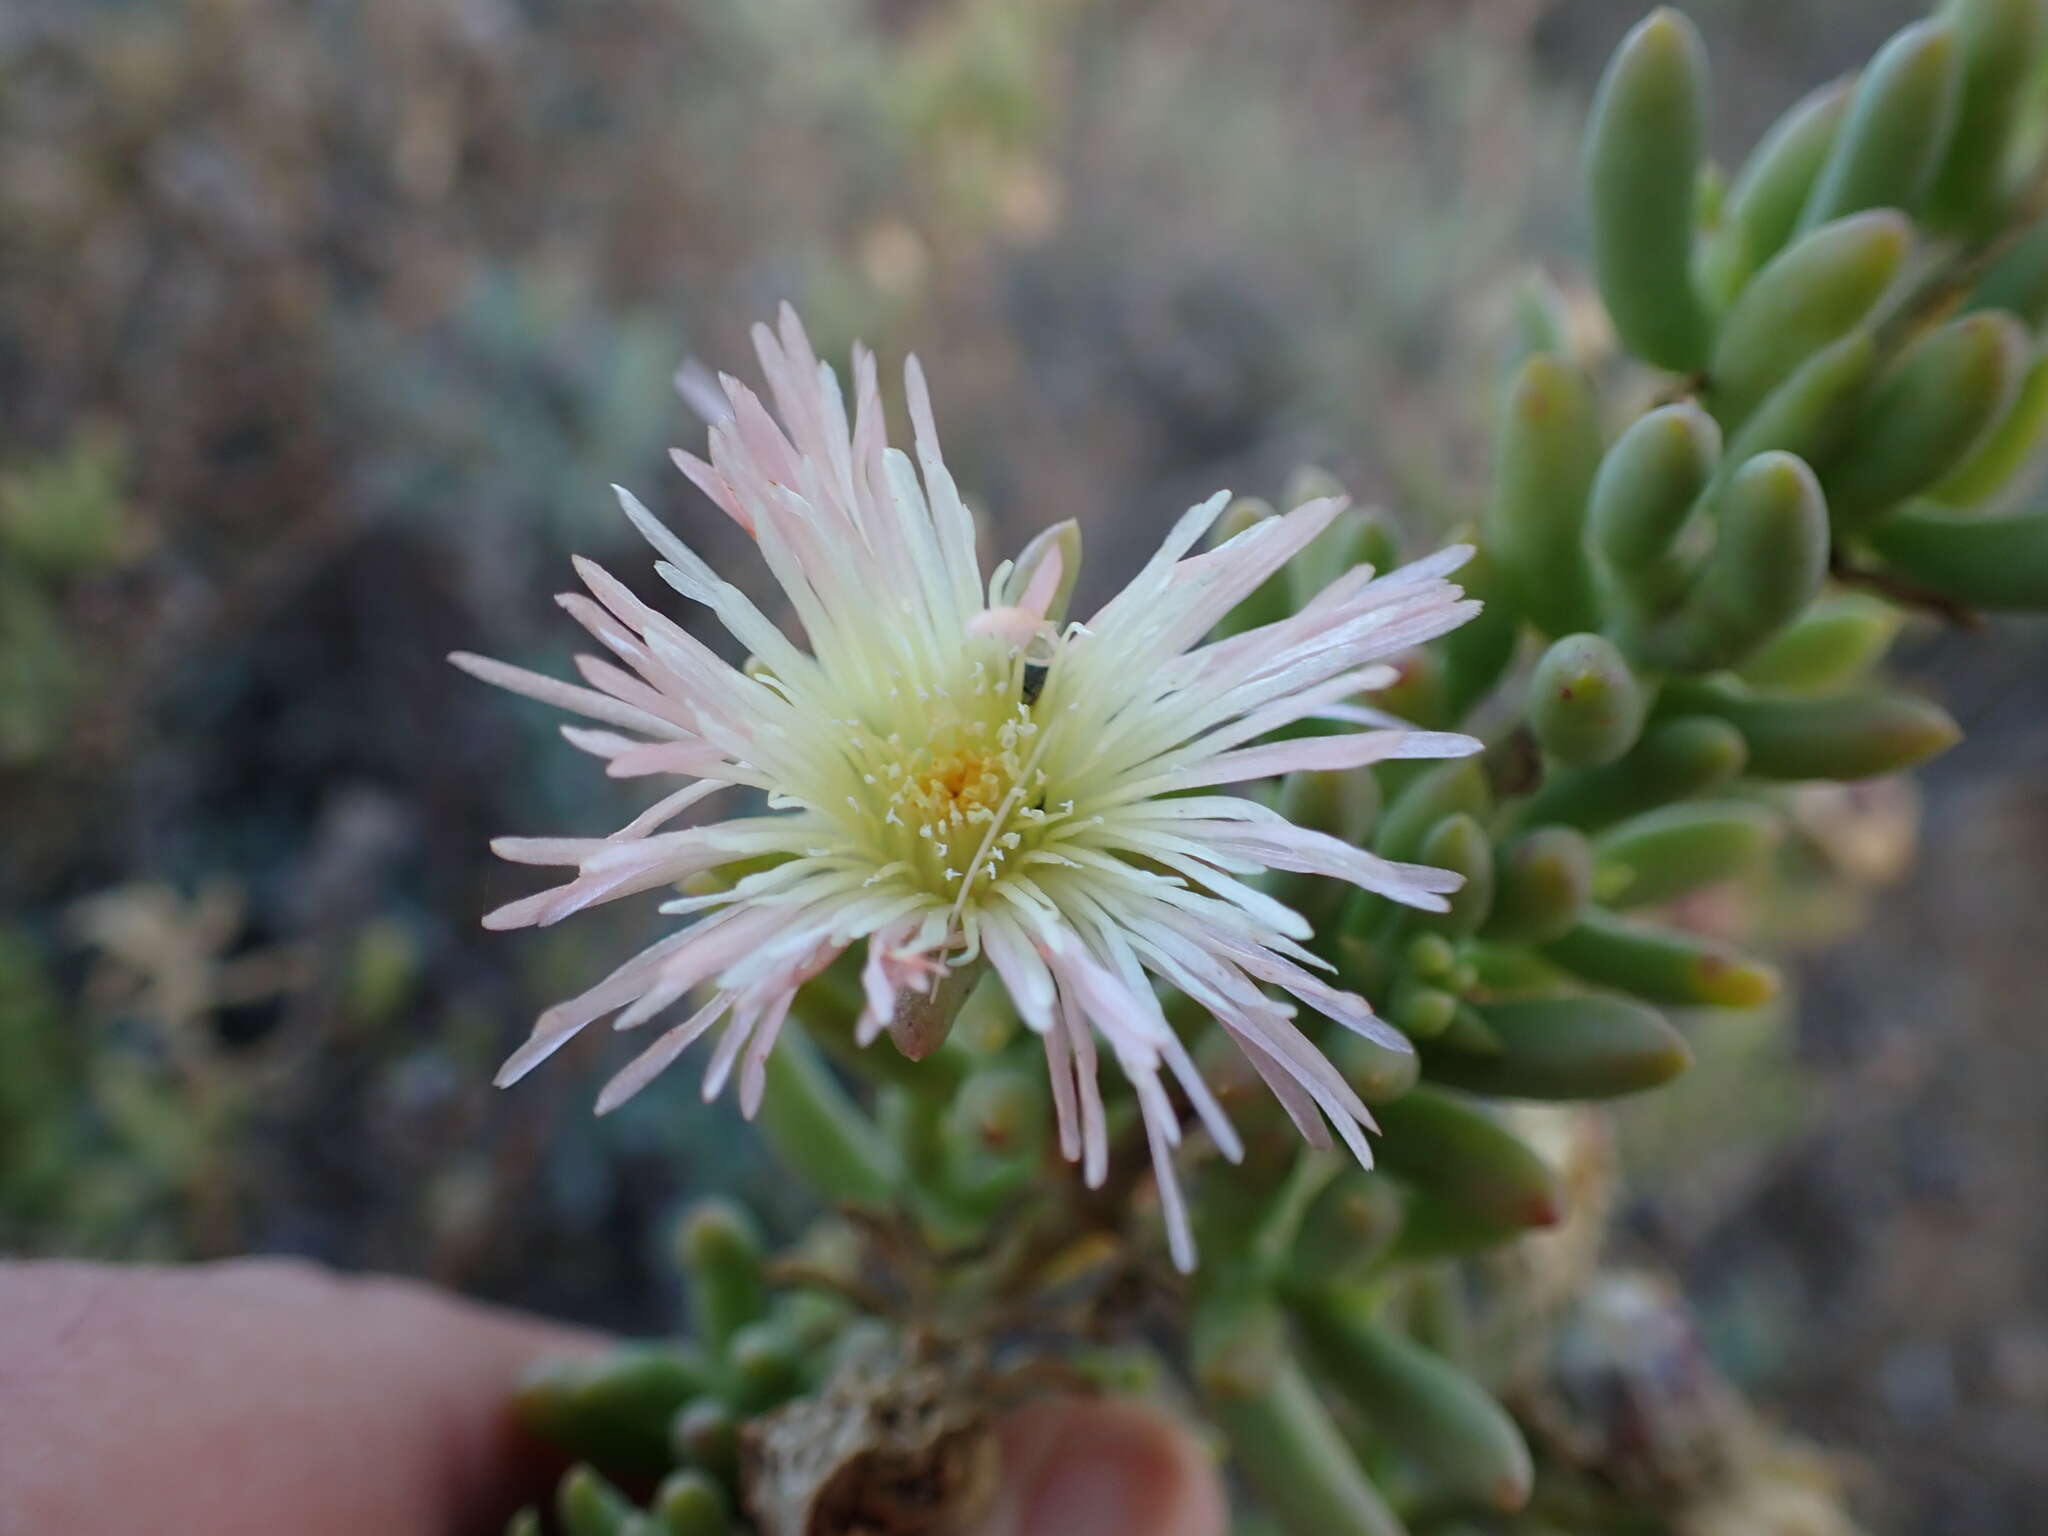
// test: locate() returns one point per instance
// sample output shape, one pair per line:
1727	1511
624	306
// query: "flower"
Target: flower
952	776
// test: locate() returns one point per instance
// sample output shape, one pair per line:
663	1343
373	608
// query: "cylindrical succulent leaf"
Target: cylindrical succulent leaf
2010	447
1445	790
690	1503
1811	412
817	1128
1448	1146
1643	151
1762	209
1459	843
1999	42
1592	1047
1812	294
1419	1401
614	1409
1988	562
2018	280
1585	704
1375	1070
1662	965
1477	653
1849	736
1665	853
1546	454
705	1433
1542	882
1838	639
1925	416
721	1250
1642	497
1675	759
1350	1227
1769	559
587	1505
1897	131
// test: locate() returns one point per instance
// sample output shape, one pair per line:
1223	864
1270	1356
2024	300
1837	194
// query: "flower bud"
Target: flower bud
1643	153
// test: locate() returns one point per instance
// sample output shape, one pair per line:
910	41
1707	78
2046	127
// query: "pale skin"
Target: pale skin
260	1396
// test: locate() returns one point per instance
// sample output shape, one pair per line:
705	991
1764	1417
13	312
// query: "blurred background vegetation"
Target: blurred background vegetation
323	325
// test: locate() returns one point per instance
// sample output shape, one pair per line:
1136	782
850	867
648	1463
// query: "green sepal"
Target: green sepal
1897	131
1585	706
1676	758
1419	1401
1542	882
1809	296
1554	1048
1643	152
1841	637
1546	454
1665	853
1762	209
1849	736
1926	415
1988	562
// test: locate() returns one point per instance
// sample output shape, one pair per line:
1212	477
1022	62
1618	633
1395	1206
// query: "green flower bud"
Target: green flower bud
1593	1047
613	1408
721	1249
1923	418
1423	1404
2018	280
1585	705
689	1503
587	1505
1850	736
1662	965
1643	150
1769	559
1667	852
1350	1227
1811	295
1477	653
1838	639
1542	884
705	1434
1449	1147
1999	40
1987	562
1282	1436
1898	129
2011	446
1459	843
1811	412
1428	798
1674	760
1763	208
1546	454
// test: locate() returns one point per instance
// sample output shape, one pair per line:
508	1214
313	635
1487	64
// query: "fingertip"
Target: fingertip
1089	1467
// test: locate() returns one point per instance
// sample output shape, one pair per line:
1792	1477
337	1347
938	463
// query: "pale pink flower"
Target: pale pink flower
952	776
